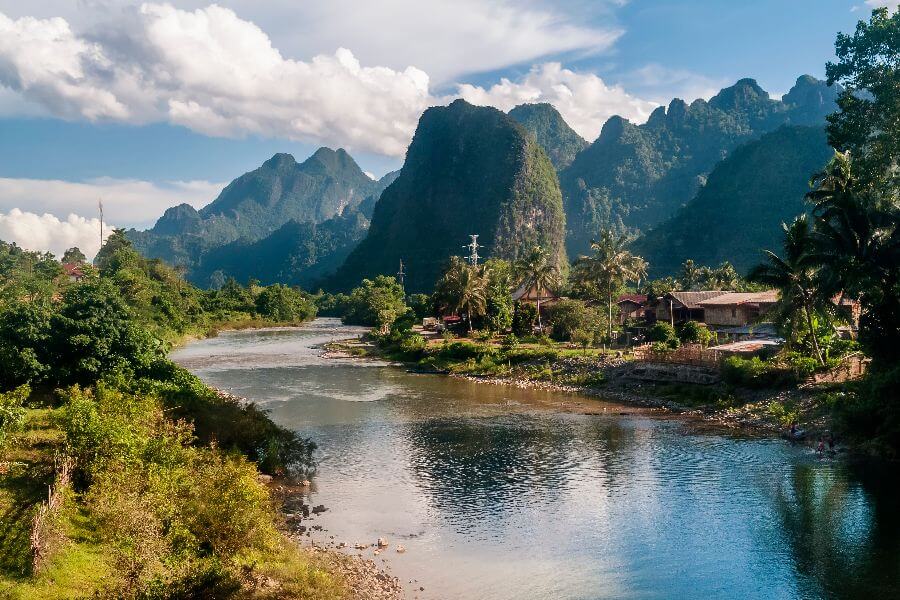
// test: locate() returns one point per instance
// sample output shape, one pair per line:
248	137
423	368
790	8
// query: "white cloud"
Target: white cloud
445	38
584	99
48	233
880	3
215	73
130	203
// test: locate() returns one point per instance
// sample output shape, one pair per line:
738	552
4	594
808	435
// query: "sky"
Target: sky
151	104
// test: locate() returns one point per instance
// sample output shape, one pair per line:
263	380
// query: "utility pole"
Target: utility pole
401	273
473	247
100	206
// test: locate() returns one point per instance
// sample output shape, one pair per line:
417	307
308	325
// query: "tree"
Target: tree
499	309
536	270
464	289
794	276
376	303
691	275
610	267
569	317
868	122
73	255
280	303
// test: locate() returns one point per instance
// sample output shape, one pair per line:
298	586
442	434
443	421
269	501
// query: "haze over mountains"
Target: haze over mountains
707	180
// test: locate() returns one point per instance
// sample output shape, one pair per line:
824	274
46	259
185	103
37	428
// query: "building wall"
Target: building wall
732	316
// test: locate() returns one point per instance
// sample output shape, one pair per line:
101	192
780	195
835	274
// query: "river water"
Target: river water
503	493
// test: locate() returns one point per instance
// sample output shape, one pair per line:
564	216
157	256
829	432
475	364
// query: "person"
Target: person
820	448
793	429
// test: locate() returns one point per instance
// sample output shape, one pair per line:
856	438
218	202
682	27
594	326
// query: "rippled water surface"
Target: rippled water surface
498	492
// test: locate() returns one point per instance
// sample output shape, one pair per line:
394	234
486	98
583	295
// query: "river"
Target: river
504	493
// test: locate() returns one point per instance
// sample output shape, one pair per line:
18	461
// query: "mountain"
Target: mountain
327	185
739	211
294	254
468	170
635	176
558	140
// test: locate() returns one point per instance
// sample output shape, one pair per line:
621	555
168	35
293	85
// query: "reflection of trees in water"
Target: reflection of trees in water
487	466
843	530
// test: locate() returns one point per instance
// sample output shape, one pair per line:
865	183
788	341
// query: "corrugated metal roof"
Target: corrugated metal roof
738	298
693	299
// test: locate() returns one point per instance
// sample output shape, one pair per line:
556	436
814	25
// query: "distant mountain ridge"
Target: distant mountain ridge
469	170
635	176
738	213
255	205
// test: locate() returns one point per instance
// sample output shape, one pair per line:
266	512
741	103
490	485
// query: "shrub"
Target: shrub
663	332
509	342
569	316
12	412
413	344
755	373
692	332
482	335
524	318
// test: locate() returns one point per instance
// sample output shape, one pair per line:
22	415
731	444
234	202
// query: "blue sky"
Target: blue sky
163	103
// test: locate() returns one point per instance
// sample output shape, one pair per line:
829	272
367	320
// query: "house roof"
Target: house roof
692	300
747	346
633	298
739	298
524	291
73	270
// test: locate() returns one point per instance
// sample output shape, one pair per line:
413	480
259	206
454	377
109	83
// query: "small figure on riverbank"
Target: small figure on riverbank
820	447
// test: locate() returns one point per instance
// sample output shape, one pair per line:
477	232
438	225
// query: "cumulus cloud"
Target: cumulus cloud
583	99
46	232
130	203
215	73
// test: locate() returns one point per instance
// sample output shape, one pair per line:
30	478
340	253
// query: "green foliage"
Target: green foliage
73	255
463	290
663	333
867	411
524	319
375	303
570	317
755	373
12	412
692	332
280	303
509	342
422	305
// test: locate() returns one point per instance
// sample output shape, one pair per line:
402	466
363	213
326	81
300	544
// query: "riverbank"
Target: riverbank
693	392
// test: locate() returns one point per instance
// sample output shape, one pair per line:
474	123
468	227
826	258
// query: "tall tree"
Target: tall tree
868	122
794	277
610	267
536	270
464	289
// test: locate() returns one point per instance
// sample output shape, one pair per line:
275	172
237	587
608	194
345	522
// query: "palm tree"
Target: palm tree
794	276
610	266
535	270
464	289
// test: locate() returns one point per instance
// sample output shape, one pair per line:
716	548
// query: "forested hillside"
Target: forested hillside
469	170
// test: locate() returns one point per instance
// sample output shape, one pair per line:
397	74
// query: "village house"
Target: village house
678	307
73	271
737	309
632	306
530	295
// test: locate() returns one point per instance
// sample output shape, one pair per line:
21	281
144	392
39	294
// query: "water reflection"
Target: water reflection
497	494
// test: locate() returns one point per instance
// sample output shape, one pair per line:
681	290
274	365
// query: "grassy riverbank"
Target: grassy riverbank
607	374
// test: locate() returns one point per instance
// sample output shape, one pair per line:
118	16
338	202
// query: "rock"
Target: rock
382	543
319	509
263	478
400	549
306	483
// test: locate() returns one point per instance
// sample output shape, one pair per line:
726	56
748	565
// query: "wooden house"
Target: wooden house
631	306
737	309
678	307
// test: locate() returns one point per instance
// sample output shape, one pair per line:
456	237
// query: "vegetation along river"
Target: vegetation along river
499	492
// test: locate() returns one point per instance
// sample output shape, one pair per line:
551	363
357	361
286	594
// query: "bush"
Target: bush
283	304
509	342
569	316
663	332
524	319
482	335
755	373
692	332
12	412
